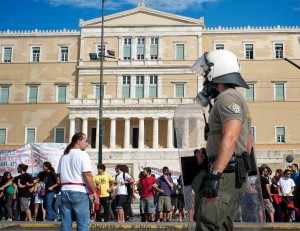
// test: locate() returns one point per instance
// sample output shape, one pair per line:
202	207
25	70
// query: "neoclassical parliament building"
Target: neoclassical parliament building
50	85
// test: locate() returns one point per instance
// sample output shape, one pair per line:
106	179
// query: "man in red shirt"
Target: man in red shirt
147	197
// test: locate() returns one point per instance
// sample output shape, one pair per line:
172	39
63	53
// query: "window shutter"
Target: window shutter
2	136
140	49
4	94
179	90
139	91
250	92
126	91
180	51
127	51
7	54
62	93
33	94
153	91
30	136
279	92
153	49
59	135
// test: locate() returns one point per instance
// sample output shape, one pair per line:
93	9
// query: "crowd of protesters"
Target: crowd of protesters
28	198
24	197
278	191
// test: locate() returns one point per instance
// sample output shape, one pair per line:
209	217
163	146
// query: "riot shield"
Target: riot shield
189	126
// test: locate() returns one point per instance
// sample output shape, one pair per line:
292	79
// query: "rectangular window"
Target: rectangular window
278	50
139	87
7	54
32	94
59	135
30	135
179	90
154	48
61	94
126	87
249	93
101	52
127	49
4	94
140	49
219	46
280	134
153	86
179	51
2	136
64	54
97	91
249	52
35	54
279	92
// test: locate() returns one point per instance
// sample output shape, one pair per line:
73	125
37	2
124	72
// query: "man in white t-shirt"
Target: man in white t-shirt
287	186
76	177
121	180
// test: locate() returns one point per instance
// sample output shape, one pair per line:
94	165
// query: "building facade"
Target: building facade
50	86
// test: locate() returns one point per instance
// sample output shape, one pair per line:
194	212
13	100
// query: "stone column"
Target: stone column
127	133
133	47
132	86
170	133
72	128
146	85
155	133
185	138
120	48
112	140
85	126
141	133
160	48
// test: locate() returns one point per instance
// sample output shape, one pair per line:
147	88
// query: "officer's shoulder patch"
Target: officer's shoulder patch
235	108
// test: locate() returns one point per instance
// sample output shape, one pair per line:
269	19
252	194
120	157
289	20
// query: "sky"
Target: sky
65	14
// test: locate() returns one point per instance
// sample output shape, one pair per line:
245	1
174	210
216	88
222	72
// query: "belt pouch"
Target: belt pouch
241	170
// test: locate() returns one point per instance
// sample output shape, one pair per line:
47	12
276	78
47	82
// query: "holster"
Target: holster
242	167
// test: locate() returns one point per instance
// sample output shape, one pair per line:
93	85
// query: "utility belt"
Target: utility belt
239	164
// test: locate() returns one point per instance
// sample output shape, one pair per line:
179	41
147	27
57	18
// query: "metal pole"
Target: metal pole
101	90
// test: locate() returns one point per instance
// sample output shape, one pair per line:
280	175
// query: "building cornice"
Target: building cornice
250	29
41	33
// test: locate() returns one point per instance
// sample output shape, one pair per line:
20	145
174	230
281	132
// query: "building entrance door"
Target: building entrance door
135	137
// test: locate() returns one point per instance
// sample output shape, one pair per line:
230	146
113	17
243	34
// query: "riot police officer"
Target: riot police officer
229	139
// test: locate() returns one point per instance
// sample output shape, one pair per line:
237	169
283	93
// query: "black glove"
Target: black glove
211	186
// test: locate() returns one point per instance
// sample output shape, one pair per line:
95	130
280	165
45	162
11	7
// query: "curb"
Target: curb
148	226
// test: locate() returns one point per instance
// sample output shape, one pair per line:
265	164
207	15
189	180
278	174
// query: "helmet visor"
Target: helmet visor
199	67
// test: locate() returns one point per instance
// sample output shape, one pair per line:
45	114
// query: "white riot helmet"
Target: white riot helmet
219	66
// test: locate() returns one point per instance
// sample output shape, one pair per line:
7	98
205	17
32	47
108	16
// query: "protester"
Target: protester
163	186
75	170
23	184
147	196
39	194
121	179
8	191
103	181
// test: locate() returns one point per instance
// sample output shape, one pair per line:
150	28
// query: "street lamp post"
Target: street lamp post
101	90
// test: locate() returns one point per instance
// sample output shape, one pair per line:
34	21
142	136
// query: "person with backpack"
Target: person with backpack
50	178
121	179
39	194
